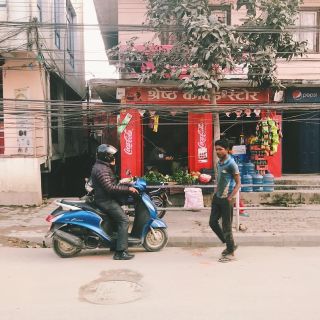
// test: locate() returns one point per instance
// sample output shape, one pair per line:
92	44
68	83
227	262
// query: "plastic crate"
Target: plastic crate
255	148
262	167
258	157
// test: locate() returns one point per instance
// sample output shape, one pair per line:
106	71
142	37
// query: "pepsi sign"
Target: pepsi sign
303	95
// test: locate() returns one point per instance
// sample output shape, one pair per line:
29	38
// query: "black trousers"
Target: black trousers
222	208
113	210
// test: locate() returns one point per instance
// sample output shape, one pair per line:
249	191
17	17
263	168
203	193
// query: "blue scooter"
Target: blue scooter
77	225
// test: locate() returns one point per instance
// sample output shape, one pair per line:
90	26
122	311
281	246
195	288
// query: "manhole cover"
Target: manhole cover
112	292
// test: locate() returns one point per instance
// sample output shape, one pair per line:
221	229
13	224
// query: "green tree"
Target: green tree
204	48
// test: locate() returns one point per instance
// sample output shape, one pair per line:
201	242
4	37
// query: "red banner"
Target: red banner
131	143
200	141
177	97
275	161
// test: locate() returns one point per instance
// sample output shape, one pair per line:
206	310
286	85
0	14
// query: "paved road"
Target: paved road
263	283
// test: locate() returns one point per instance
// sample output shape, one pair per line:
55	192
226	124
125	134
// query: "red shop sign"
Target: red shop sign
172	96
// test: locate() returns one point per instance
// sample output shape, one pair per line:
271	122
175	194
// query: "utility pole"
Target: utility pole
88	118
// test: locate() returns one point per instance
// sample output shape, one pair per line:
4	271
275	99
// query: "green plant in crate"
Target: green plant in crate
183	177
154	177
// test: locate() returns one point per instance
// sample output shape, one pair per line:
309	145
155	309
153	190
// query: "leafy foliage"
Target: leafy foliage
154	177
270	41
204	47
180	177
183	177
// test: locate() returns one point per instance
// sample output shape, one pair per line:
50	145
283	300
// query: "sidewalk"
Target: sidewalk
26	226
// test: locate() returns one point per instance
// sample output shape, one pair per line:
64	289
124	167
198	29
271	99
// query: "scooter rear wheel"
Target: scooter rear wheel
64	249
155	240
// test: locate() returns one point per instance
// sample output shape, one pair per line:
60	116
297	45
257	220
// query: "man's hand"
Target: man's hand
133	190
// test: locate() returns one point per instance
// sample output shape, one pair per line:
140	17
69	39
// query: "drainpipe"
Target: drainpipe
88	117
48	113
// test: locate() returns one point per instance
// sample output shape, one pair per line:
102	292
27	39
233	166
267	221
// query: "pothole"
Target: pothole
115	287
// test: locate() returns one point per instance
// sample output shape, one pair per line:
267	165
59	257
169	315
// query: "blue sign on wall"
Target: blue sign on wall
303	95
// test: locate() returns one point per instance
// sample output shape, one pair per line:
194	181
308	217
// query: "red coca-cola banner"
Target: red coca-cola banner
177	97
131	143
200	141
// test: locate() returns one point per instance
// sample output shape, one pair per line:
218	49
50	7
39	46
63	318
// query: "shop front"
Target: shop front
301	143
176	132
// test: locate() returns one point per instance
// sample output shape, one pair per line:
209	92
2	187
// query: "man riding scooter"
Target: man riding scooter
107	190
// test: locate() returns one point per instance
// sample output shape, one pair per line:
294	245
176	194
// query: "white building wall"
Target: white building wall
25	127
27	124
20	181
134	13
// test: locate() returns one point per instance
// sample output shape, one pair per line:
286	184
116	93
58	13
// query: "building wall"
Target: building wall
29	59
25	128
57	59
306	68
134	13
20	181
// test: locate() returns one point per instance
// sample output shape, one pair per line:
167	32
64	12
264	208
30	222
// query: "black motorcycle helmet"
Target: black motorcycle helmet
106	152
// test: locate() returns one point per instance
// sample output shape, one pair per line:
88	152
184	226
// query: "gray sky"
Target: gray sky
96	61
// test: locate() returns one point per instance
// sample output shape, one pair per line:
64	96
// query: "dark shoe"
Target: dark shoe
122	255
225	252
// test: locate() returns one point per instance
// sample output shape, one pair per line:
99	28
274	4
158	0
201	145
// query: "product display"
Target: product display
268	135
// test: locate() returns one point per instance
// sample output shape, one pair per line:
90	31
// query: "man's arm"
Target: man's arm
105	177
236	177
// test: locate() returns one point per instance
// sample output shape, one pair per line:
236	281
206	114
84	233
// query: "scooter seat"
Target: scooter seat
82	205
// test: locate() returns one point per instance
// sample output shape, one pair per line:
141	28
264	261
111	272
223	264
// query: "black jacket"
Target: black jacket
105	183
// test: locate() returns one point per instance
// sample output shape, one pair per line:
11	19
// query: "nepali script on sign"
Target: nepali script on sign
227	95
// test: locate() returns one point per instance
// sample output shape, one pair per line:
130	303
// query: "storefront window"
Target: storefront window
71	18
165	142
221	13
39	9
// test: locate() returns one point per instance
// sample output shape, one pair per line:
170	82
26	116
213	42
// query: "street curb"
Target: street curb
292	240
280	240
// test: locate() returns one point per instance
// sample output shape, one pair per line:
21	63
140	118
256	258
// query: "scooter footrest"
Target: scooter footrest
132	240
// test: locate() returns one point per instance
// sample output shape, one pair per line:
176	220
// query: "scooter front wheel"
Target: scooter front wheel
155	239
64	249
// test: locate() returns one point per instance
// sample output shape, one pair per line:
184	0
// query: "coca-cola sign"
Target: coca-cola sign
202	136
202	143
128	138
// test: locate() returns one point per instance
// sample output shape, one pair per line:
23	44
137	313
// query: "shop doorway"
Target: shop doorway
301	147
165	142
238	131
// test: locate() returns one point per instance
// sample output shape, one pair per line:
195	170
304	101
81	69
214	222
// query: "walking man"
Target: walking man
228	184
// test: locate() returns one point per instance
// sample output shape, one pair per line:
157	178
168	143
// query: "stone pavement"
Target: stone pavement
23	226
